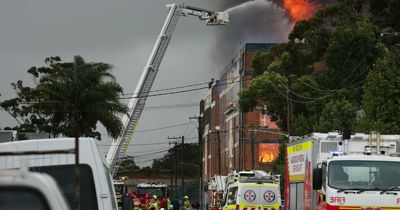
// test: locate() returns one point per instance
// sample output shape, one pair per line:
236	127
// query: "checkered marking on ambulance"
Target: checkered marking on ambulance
269	196
249	195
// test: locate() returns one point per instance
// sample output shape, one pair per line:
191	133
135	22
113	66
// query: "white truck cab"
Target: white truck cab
25	190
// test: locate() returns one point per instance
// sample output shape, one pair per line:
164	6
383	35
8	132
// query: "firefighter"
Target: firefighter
195	205
154	203
169	204
175	203
127	202
136	203
186	203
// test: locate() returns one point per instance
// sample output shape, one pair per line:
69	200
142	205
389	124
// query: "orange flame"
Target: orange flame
268	152
301	9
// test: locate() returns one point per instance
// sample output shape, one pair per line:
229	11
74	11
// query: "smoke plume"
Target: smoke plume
259	21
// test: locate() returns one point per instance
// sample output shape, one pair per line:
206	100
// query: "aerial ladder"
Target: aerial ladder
138	99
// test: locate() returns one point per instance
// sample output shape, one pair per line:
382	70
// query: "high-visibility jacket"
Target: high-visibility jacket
168	204
186	205
154	205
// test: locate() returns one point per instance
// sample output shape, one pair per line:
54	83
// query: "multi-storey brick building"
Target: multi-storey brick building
233	140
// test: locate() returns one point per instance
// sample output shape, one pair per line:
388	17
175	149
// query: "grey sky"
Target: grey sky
121	33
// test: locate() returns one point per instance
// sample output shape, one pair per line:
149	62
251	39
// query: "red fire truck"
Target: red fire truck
145	191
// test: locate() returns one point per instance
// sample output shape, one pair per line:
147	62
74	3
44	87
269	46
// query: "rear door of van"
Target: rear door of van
249	197
269	196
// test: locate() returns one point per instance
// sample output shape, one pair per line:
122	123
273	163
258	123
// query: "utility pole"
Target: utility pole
252	148
199	134
75	118
171	175
176	161
182	169
183	173
289	107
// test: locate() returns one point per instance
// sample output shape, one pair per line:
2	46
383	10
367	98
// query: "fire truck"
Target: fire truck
145	191
120	187
216	189
330	171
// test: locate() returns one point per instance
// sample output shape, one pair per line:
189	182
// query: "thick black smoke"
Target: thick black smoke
257	21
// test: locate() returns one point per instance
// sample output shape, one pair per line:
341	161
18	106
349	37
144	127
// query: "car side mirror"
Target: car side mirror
317	178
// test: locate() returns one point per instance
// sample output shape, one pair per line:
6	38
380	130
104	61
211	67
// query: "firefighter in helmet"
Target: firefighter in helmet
186	203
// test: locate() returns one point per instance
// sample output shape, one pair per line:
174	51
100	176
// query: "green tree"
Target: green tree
278	166
270	87
337	115
190	156
69	94
128	164
381	101
325	63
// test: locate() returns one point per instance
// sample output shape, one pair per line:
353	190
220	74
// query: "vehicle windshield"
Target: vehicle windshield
363	175
159	192
17	198
65	178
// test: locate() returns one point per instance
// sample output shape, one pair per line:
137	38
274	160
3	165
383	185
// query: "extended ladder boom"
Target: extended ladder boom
137	102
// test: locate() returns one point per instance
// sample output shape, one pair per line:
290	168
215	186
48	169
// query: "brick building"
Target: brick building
233	140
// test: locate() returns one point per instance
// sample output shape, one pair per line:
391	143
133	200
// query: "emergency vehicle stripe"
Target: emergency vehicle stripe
253	208
359	207
244	208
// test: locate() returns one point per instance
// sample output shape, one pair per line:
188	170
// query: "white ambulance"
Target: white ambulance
253	193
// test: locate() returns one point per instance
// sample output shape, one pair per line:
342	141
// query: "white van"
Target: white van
97	190
21	189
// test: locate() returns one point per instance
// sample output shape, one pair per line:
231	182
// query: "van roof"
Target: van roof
88	152
45	144
256	180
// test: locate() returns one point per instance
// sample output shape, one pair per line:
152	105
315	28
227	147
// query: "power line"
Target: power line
172	88
181	91
151	153
171	106
183	86
147	144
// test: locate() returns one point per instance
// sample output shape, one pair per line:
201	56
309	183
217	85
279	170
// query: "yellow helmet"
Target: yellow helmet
186	197
155	196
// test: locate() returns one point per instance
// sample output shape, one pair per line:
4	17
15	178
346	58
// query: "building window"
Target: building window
267	152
